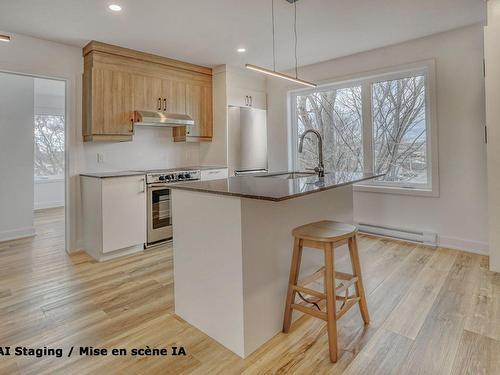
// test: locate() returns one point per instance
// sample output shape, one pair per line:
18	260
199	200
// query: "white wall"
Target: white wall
16	156
40	57
48	193
458	215
492	57
151	148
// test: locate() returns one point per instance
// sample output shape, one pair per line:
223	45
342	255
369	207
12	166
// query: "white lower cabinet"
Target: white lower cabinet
214	174
114	215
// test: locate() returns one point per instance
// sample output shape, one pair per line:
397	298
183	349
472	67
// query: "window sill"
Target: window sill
396	190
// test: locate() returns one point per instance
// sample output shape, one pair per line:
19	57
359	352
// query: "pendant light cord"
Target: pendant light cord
295	32
274	43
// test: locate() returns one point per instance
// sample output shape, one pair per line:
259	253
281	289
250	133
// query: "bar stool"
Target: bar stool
326	236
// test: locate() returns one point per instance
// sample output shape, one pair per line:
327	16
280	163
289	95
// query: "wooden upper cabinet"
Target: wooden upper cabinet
147	93
109	108
174	96
199	107
119	81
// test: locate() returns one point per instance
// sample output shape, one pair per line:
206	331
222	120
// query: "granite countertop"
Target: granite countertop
141	172
272	188
113	174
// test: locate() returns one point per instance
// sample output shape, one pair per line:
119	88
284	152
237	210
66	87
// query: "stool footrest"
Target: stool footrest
347	305
308	310
343	275
310	278
311	292
345	285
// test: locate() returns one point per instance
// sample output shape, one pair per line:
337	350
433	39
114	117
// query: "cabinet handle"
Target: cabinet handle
159	104
247	100
251	100
164	104
131	125
143	184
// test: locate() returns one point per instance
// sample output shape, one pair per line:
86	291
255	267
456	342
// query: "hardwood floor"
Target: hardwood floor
433	311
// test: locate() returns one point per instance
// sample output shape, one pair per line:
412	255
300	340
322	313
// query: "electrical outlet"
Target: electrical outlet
100	158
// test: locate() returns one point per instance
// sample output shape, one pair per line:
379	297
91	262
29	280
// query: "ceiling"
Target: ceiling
209	32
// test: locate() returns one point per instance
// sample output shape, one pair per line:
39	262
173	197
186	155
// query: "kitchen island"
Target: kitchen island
233	247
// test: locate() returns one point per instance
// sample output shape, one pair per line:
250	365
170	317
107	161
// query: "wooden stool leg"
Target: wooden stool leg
294	275
331	307
356	268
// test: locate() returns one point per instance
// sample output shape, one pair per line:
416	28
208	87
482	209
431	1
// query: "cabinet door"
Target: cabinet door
148	94
112	102
174	96
199	107
239	97
257	99
123	212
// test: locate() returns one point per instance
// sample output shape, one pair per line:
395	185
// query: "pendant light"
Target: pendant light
273	72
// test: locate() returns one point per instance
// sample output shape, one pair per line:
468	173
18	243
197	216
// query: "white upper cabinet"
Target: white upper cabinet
239	97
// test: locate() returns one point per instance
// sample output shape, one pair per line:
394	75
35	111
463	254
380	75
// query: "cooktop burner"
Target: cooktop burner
172	175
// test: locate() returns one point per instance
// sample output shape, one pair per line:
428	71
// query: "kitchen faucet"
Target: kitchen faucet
320	169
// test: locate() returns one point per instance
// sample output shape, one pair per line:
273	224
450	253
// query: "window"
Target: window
378	124
336	114
399	130
49	146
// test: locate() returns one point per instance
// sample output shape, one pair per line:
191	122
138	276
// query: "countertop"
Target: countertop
141	172
271	188
113	174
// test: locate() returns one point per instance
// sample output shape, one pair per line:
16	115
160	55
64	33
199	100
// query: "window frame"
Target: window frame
366	80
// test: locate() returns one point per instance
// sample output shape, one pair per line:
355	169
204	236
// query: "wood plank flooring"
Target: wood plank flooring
434	311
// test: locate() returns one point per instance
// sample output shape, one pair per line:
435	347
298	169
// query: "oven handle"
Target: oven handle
157	186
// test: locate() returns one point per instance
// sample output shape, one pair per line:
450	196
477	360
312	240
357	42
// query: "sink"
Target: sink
290	175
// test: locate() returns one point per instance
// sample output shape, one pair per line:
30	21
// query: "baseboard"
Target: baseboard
426	238
44	205
117	253
474	247
16	234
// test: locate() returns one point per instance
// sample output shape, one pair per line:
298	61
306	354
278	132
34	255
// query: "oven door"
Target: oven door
159	214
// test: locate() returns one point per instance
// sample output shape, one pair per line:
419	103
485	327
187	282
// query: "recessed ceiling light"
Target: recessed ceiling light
241	50
4	38
115	7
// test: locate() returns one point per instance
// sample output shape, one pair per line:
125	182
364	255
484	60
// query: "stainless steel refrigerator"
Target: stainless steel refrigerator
247	140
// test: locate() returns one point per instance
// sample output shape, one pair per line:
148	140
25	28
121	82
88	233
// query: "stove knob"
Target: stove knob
187	175
180	176
168	177
161	178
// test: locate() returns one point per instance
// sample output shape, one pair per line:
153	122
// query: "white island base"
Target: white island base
232	260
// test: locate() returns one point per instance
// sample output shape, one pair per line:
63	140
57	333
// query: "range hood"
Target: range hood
148	118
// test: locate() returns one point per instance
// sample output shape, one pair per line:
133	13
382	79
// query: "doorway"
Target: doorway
32	157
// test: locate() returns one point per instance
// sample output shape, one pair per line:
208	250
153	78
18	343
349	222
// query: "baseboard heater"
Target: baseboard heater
426	238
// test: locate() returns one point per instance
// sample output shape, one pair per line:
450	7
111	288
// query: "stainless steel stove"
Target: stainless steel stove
159	223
